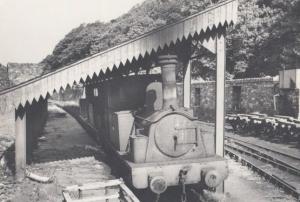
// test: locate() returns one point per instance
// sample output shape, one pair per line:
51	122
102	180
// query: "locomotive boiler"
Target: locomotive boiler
156	142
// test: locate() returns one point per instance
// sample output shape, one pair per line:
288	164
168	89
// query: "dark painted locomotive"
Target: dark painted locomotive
157	143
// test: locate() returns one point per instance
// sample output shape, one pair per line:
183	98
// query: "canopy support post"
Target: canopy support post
220	93
20	144
187	85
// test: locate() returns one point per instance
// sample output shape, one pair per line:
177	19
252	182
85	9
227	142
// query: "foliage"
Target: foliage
266	39
261	42
92	38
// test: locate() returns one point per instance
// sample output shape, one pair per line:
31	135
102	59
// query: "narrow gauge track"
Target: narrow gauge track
281	169
287	162
293	157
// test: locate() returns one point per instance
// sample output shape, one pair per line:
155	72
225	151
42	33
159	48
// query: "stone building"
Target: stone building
241	96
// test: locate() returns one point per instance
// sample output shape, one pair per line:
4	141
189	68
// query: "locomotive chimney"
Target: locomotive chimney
168	72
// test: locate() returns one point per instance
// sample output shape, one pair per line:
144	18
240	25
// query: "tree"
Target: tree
265	39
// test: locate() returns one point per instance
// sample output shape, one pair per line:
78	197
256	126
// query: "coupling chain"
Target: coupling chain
157	197
182	178
183	194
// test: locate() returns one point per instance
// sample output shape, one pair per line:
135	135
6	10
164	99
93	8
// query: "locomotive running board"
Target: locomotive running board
181	161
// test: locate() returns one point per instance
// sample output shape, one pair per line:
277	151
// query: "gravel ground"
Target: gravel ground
244	185
63	138
66	153
64	173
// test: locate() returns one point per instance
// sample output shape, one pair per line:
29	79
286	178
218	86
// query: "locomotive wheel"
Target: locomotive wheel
268	130
234	124
243	125
294	133
285	136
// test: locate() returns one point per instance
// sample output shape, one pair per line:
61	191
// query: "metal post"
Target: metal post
91	113
220	93
20	145
30	127
45	112
187	86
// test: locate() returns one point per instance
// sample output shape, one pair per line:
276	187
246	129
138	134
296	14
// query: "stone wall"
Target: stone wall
7	131
257	95
289	102
241	95
20	72
4	81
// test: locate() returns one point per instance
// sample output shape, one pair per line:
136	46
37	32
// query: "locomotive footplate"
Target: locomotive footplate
200	170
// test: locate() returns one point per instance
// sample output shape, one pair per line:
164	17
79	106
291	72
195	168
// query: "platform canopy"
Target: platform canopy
200	24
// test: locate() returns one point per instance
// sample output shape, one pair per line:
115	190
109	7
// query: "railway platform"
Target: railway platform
66	154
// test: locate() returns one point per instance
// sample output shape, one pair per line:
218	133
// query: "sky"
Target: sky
30	29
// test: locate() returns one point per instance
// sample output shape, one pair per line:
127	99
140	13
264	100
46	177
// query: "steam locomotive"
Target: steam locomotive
156	142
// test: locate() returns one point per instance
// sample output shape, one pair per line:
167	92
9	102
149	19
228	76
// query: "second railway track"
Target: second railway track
280	168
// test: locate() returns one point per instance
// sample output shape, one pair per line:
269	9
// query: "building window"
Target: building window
236	98
197	97
95	92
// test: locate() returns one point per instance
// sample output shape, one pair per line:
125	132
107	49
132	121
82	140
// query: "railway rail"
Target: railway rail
281	169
